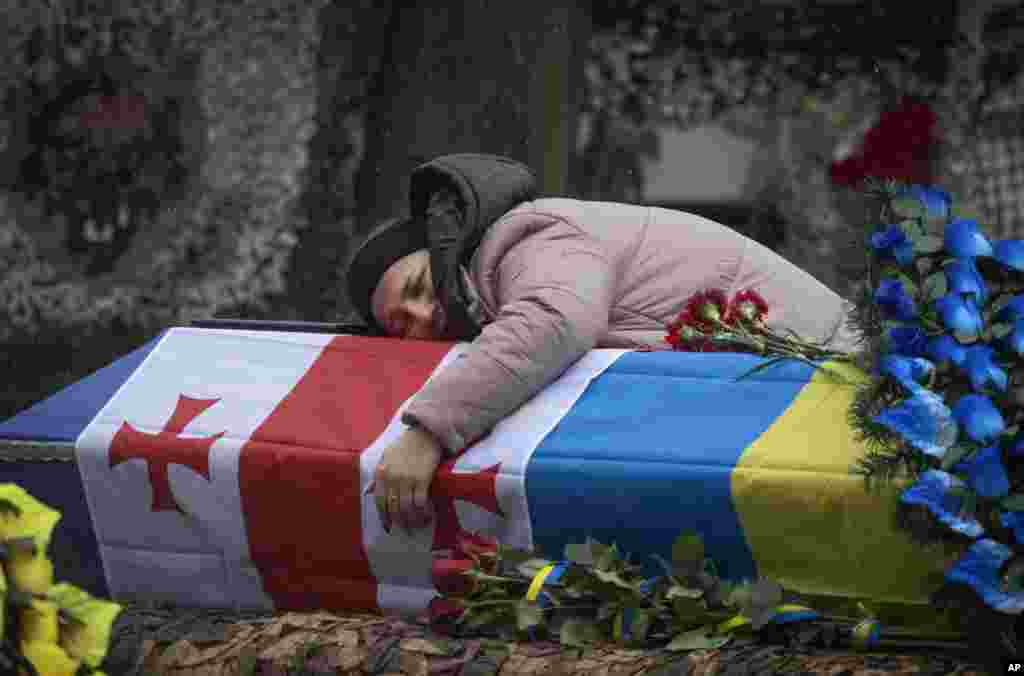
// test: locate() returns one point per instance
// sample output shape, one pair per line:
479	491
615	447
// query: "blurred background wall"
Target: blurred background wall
166	160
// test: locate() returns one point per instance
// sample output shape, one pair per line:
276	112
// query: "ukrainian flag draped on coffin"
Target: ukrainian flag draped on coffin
231	468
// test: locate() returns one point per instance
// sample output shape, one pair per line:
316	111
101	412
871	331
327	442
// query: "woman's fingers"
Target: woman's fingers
421	503
380	496
405	517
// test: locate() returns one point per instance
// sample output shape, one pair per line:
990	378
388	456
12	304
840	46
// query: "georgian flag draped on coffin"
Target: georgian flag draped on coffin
231	468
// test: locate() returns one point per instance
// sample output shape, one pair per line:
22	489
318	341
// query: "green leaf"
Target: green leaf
1001	330
698	639
908	207
528	615
25	545
1014	576
927	244
740	596
642	621
9	508
478	618
607	611
1013	503
866	610
970	503
511	556
764	596
965	212
966	338
688	548
579	633
606	560
583	554
908	284
531	567
612	577
760	617
935	286
762	366
955	454
686	610
679	592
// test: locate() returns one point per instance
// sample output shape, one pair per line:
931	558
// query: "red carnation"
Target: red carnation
442	610
704	308
449	576
479	549
749	306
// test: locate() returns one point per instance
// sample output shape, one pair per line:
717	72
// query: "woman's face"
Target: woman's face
403	302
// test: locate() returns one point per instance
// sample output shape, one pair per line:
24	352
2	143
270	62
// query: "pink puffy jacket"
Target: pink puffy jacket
558	277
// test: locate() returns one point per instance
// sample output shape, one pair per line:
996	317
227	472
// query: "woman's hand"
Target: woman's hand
402	481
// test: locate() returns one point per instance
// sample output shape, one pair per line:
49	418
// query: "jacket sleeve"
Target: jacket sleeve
555	293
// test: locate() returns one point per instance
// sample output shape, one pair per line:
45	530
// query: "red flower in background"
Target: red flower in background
114	112
897	147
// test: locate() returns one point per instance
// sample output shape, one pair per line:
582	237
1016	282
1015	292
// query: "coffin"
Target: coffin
232	468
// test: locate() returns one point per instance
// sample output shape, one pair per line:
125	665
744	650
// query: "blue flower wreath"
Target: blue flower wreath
950	305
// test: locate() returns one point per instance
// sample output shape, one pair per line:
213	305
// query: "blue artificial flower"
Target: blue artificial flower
894	302
1013	521
985	472
909	341
932	490
979	417
982	370
1013	309
1017	448
908	371
1010	252
893	243
980	568
923	420
962	278
936	200
1015	339
963	240
960	314
945	348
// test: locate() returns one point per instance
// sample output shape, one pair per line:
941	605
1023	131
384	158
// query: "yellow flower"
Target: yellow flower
87	636
31	519
30	573
37	623
48	659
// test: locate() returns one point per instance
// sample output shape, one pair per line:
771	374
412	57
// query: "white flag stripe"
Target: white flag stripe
398	562
512	443
232	367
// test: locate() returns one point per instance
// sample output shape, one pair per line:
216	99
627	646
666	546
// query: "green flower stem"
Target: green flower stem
768	341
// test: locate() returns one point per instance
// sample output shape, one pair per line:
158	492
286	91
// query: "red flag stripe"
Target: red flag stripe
299	472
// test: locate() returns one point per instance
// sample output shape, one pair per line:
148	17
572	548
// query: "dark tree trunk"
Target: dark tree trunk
472	76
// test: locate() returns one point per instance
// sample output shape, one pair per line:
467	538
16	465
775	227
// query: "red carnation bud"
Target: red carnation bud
706	308
478	548
749	305
450	578
710	312
441	609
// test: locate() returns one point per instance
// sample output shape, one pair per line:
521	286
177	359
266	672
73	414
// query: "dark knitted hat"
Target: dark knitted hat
390	241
